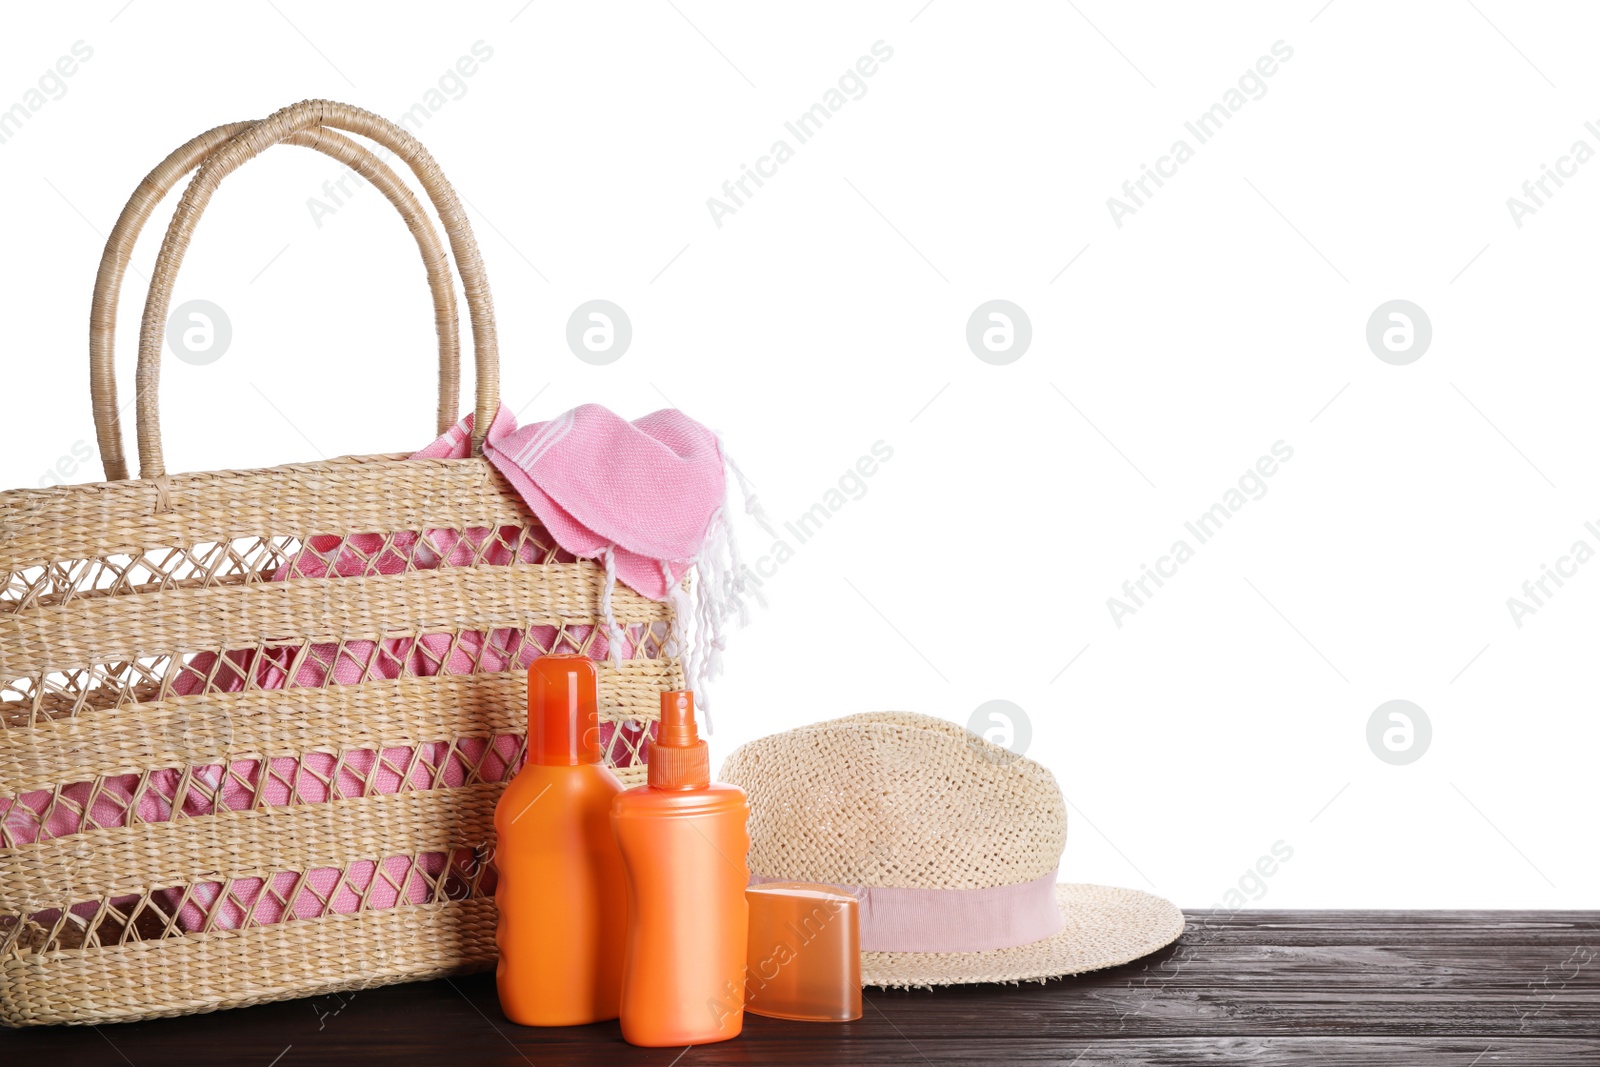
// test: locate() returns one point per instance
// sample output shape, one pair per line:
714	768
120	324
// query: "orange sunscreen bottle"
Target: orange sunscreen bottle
683	841
561	894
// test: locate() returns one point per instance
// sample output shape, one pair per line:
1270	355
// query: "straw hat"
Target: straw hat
951	843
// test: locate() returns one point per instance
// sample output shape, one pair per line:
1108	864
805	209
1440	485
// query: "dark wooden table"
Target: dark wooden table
1468	989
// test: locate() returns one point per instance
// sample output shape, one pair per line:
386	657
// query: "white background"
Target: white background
829	313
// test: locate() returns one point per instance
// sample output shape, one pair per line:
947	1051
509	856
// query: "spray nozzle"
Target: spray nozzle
678	758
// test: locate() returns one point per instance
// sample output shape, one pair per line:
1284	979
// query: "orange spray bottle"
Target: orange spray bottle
561	893
683	840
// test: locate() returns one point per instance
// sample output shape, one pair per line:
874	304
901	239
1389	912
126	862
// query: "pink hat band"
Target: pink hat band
895	919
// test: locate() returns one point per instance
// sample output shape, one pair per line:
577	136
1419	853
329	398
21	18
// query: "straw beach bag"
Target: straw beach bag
253	724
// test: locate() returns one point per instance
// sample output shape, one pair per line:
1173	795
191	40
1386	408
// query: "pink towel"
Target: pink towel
648	498
648	490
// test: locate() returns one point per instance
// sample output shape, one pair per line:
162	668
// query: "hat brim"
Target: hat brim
1105	927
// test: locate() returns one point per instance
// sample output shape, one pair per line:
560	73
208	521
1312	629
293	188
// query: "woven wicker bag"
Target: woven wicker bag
227	777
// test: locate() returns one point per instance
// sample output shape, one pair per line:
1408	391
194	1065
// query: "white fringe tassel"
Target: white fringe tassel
752	506
614	635
714	598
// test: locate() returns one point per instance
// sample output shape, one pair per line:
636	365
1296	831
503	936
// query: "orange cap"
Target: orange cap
804	953
563	711
678	758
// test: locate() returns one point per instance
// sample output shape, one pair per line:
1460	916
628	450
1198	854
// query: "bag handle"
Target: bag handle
245	146
160	181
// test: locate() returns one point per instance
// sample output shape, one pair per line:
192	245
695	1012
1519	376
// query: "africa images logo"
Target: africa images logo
736	191
1252	85
51	85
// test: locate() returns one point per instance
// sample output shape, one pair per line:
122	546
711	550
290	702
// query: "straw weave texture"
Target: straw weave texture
179	834
1106	927
897	799
900	802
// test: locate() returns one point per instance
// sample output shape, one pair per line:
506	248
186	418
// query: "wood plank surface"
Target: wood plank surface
1468	989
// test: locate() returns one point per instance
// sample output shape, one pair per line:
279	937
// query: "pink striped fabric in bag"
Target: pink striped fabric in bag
647	498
